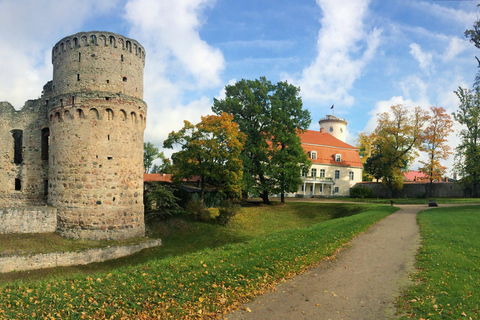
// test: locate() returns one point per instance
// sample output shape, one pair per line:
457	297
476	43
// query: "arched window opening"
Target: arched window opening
109	114
129	46
112	41
75	42
62	47
80	114
93	39
17	146
45	143
93	114
134	117
58	117
123	115
67	116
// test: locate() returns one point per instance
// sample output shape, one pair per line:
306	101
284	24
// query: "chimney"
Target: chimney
322	130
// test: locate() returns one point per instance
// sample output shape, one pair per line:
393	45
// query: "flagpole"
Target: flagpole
333	108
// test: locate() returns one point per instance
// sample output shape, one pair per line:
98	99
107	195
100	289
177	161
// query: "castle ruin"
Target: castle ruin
78	149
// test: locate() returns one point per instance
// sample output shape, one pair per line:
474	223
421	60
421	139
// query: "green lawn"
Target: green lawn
414	200
448	283
202	270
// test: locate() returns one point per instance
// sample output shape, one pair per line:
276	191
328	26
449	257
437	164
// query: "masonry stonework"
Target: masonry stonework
79	147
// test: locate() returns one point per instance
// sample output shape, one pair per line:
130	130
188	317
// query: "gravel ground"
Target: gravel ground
361	283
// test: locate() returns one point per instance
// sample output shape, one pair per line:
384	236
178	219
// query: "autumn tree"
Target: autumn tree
365	145
397	139
468	151
434	143
271	116
211	150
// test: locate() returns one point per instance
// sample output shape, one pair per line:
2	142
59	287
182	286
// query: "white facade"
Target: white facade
329	180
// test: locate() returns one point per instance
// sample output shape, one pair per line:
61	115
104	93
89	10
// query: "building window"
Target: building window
335	190
338	157
313	173
311	189
313	155
305	173
351	175
17	146
322	173
303	188
337	174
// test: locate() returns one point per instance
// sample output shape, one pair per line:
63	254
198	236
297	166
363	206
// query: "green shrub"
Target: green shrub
227	210
160	203
196	208
361	192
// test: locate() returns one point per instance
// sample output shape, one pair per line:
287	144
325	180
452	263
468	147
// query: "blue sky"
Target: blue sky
360	55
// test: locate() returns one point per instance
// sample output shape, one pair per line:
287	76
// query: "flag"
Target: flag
332	106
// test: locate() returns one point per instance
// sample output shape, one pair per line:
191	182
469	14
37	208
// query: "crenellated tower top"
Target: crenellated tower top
98	61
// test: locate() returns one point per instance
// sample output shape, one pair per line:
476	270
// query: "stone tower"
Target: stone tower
337	127
96	119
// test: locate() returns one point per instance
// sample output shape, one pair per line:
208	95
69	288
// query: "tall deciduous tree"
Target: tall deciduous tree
434	143
365	145
468	151
398	136
211	150
150	153
271	116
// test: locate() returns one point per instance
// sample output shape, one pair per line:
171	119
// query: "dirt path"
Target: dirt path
362	283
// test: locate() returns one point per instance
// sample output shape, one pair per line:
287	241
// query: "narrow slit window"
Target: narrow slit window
79	56
45	143
18	184
78	76
17	146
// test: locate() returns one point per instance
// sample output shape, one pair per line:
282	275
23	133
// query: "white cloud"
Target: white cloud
424	59
455	47
178	62
29	31
344	48
171	29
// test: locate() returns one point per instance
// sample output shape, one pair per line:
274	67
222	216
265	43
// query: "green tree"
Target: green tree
468	151
365	145
271	117
211	150
150	153
397	139
434	143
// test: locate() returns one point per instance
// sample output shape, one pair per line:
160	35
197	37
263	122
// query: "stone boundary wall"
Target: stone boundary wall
28	220
63	259
418	189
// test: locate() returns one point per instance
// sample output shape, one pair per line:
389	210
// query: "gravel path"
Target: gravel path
362	283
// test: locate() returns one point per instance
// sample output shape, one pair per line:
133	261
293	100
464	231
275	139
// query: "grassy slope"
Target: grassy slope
447	285
202	269
414	200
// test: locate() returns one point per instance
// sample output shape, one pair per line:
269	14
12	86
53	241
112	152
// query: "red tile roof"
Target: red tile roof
150	177
327	146
415	176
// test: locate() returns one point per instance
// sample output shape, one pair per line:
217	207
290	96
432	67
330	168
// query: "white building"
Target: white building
336	165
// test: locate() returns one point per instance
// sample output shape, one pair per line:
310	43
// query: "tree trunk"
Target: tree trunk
264	196
282	197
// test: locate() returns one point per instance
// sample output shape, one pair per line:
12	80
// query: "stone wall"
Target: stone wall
28	220
79	147
418	189
63	259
